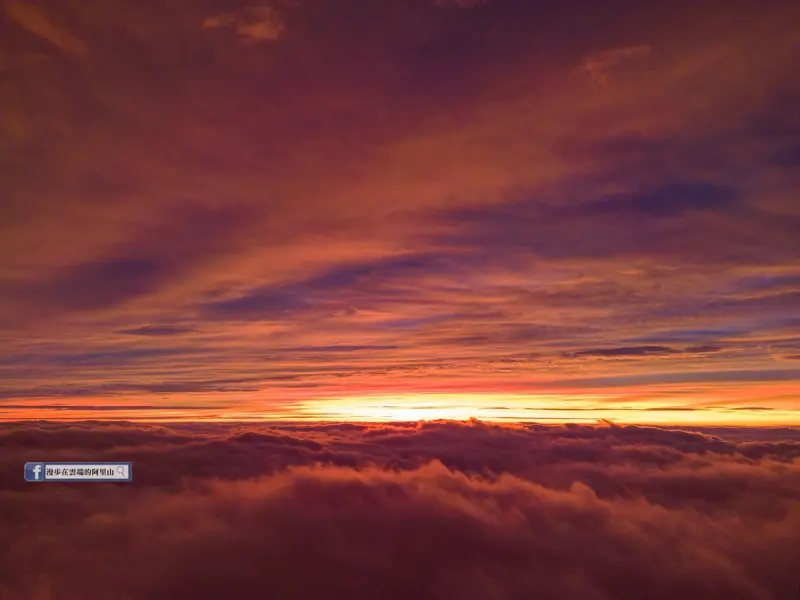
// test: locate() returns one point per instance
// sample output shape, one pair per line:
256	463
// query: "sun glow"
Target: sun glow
756	405
541	407
454	407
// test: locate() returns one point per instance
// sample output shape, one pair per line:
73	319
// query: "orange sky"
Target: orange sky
400	209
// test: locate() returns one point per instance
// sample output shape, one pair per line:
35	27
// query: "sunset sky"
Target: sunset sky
400	299
376	210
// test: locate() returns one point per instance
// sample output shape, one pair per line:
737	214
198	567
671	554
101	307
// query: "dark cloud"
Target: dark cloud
110	388
429	510
707	349
761	283
626	351
740	305
334	348
111	356
687	377
156	330
691	335
673	200
99	284
640	351
333	290
666	221
139	266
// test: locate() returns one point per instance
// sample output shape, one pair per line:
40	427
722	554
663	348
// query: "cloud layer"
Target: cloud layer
429	510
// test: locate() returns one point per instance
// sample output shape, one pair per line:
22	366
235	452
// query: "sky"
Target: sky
353	210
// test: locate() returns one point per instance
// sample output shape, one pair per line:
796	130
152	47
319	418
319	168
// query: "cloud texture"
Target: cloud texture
324	201
431	510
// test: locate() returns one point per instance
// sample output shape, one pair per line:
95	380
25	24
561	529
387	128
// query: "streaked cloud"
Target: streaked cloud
33	17
156	330
603	67
459	3
252	24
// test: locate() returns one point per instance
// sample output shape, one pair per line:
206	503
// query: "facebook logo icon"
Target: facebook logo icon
34	472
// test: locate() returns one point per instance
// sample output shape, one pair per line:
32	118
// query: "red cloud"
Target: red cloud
436	510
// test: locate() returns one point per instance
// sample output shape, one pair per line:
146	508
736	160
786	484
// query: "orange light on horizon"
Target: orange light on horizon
587	408
573	406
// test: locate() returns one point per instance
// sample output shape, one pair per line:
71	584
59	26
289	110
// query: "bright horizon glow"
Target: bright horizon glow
547	408
501	408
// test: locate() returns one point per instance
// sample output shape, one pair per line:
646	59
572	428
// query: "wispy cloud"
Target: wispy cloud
603	67
35	19
157	330
251	24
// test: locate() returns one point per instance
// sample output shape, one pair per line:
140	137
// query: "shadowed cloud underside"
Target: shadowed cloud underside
432	511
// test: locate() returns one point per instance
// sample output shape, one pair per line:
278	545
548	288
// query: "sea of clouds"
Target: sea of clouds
433	510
